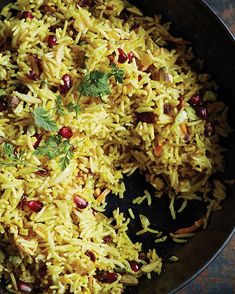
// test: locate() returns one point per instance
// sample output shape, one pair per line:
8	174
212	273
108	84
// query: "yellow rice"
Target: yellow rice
108	143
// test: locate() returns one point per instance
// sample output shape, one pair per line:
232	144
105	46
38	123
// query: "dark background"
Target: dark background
219	278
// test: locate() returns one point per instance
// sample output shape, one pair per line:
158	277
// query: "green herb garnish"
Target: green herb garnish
55	146
43	120
117	73
11	158
95	84
59	105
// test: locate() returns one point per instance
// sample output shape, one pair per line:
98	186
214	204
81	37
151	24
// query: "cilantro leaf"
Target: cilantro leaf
67	154
12	158
117	73
71	106
49	148
43	120
8	151
95	84
53	147
59	105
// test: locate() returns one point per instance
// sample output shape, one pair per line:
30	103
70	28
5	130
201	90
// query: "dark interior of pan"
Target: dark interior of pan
211	41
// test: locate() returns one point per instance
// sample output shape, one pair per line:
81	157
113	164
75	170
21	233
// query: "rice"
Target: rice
55	237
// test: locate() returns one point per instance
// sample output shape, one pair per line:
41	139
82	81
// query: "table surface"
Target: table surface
219	277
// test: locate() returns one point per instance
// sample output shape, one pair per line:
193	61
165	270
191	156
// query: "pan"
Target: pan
211	41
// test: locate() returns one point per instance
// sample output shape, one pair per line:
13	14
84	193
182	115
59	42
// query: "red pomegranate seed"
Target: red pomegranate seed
67	83
106	277
131	56
209	129
22	203
91	255
122	58
35	206
195	100
3	105
135	26
38	140
134	265
24	287
147	117
32	75
202	113
43	173
26	15
80	202
51	40
66	132
167	108
107	239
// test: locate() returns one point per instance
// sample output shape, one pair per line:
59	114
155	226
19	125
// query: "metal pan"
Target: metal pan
212	41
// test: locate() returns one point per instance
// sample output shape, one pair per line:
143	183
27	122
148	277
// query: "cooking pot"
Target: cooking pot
211	40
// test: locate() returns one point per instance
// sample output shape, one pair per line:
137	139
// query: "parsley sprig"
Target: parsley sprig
59	105
96	83
11	158
55	146
43	120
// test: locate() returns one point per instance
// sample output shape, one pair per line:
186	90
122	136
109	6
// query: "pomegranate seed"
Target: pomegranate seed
202	113
66	133
106	277
135	26
195	100
43	173
3	105
167	108
147	117
67	80
209	129
52	40
26	15
24	287
134	265
80	202
122	58
181	104
22	203
131	56
107	239
91	255
35	206
38	140
32	75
